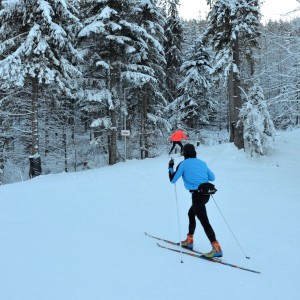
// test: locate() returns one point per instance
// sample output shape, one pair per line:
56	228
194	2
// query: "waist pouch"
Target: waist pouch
206	188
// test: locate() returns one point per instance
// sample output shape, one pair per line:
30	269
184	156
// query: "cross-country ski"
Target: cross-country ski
201	256
196	253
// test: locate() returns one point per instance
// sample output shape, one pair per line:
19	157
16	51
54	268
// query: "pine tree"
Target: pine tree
124	52
173	48
259	130
279	71
195	103
150	106
233	28
106	34
37	48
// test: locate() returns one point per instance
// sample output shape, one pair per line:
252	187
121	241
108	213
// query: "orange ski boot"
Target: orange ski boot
215	252
189	242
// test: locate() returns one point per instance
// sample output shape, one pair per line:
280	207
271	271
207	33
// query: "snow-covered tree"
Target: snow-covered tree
194	104
125	51
173	48
37	48
151	102
259	129
233	28
107	37
279	71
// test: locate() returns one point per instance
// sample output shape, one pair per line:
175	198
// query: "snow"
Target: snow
96	27
76	236
106	122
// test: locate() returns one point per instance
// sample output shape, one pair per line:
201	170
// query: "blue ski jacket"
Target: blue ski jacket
193	172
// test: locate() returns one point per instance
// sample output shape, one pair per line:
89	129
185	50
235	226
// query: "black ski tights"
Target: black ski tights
174	144
198	209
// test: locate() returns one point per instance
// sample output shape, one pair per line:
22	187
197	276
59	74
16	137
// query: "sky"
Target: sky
80	236
271	9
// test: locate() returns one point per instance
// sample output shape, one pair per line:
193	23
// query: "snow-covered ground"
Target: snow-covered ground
80	236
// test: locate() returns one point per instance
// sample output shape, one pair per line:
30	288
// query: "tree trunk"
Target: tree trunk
34	121
46	129
144	143
231	121
113	138
35	159
73	136
237	99
2	143
2	146
114	85
65	148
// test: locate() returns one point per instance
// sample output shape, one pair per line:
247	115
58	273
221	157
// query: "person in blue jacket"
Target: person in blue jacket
195	172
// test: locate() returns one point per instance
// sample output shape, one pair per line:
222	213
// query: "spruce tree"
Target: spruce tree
259	130
279	71
195	103
124	51
150	106
173	48
107	37
233	28
37	49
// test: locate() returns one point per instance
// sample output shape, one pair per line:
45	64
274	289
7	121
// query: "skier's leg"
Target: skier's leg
189	241
181	147
173	146
192	220
199	202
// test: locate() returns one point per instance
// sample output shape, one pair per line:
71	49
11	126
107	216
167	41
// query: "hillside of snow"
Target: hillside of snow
80	236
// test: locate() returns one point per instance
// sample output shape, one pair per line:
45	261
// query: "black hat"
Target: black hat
189	151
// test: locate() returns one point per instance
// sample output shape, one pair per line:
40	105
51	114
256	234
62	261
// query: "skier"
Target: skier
195	172
176	138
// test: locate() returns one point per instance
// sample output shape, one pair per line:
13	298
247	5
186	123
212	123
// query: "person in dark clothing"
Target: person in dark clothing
195	172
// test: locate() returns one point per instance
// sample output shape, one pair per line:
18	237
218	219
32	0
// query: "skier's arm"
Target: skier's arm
174	176
170	168
171	173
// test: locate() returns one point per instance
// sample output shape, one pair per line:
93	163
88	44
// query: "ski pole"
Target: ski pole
178	220
230	228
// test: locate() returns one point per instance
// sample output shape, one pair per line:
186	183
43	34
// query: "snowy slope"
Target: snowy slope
80	236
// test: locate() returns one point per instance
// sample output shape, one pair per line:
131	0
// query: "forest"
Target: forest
74	74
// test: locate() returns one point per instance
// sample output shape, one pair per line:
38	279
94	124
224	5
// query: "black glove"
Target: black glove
171	163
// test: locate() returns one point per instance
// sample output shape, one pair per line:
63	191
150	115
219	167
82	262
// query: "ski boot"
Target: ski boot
215	252
189	242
